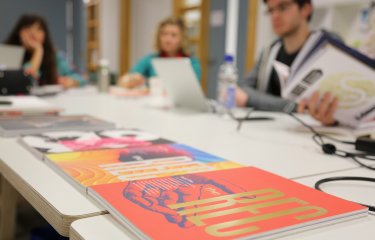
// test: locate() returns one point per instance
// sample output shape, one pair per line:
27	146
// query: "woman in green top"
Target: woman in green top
41	61
170	42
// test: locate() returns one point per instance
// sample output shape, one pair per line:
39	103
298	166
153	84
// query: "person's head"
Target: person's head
287	16
33	28
171	37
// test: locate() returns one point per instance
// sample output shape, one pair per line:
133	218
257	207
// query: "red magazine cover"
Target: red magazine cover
235	203
116	165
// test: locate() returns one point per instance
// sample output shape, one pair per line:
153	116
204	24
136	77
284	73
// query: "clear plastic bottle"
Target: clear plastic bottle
103	76
227	83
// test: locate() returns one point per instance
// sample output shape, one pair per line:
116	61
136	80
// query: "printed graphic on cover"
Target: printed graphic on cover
117	165
73	141
351	81
228	204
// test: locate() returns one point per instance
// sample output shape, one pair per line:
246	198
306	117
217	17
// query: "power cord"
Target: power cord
331	149
319	183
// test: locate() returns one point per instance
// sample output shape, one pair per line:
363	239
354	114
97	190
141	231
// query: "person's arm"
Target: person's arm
249	96
143	66
137	74
32	67
68	77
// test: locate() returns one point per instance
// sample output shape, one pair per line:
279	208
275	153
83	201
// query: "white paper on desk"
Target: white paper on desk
283	72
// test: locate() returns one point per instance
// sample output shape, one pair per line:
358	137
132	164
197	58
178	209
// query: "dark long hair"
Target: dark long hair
48	66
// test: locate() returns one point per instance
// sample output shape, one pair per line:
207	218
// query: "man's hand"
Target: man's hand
322	109
241	97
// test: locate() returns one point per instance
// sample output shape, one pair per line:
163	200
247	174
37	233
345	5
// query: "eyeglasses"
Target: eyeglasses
282	7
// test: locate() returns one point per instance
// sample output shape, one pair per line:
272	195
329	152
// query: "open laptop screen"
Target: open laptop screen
11	57
181	83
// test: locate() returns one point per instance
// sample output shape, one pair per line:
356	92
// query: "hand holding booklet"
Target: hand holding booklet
332	67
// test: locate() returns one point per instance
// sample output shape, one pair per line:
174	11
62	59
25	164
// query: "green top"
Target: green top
67	70
144	66
64	69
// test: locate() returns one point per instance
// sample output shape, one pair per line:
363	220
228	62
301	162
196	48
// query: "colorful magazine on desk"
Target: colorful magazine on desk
17	125
89	168
26	105
241	203
333	67
79	140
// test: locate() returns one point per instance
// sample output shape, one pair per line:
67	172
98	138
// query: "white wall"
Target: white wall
109	32
146	14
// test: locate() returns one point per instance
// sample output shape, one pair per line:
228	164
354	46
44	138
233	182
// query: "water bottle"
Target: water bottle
228	76
103	78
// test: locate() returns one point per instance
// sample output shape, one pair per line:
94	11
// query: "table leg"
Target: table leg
8	205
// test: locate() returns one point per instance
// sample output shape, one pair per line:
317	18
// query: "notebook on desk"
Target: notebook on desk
181	83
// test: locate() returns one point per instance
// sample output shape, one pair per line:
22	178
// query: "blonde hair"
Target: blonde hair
181	25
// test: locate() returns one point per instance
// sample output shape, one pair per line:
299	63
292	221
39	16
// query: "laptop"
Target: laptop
13	80
11	57
181	83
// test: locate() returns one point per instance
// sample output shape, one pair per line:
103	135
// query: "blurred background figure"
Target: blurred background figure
41	60
170	42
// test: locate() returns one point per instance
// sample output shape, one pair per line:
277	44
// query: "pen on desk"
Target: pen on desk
252	119
258	118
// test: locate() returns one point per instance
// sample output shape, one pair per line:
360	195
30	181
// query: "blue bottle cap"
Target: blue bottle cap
229	58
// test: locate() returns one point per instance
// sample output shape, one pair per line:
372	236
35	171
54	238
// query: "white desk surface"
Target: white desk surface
268	145
106	227
98	228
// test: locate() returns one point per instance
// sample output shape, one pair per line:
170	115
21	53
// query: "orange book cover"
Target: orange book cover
116	165
240	203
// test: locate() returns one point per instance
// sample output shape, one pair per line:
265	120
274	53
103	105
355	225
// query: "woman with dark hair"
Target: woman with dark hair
41	59
170	42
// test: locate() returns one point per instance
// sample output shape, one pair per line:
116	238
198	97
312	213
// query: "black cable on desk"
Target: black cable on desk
336	179
331	149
